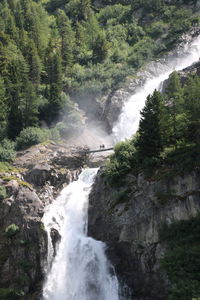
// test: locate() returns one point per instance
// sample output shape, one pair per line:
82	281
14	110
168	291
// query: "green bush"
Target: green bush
3	193
121	162
7	293
11	230
32	136
7	152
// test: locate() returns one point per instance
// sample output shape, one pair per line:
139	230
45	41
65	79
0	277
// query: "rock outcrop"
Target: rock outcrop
38	175
129	218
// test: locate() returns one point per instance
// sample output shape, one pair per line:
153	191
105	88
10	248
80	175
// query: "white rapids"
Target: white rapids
80	270
128	121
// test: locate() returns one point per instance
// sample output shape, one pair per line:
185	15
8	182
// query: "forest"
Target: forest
56	53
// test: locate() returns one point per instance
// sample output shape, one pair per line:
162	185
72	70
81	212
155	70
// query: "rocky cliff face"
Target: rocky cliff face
129	218
38	175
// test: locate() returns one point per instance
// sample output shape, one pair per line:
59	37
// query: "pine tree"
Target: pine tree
33	60
67	39
150	140
16	81
100	48
81	50
55	87
86	9
3	110
192	107
175	105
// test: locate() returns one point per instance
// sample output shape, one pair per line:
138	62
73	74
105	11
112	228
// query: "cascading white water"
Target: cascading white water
128	121
80	270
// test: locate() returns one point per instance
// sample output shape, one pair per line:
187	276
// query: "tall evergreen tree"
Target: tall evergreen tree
55	84
174	104
192	106
150	139
67	38
3	110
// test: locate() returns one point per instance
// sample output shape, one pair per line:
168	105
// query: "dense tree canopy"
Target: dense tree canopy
51	51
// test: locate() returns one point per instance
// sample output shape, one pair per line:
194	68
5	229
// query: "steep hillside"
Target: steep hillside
55	52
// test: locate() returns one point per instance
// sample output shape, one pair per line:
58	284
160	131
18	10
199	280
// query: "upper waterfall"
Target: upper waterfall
128	120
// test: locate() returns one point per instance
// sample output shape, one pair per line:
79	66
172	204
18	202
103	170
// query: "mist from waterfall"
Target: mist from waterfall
80	269
128	121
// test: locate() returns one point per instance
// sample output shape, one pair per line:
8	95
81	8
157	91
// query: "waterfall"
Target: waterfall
80	270
128	121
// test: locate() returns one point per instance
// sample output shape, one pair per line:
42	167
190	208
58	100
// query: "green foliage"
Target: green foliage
181	261
149	142
6	167
81	49
32	136
7	293
11	230
121	162
185	158
3	193
21	182
7	152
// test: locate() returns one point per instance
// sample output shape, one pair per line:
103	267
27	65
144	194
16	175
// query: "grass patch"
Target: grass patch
11	230
21	182
6	167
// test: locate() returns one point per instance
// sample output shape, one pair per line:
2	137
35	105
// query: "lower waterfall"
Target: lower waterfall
80	269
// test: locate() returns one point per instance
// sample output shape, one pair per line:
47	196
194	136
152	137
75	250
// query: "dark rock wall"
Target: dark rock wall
128	219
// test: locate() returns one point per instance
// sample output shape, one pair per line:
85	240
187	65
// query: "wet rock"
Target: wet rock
43	171
55	238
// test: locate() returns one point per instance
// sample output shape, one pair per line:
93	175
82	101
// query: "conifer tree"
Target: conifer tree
174	104
85	9
55	87
100	48
150	139
192	106
3	110
67	39
81	50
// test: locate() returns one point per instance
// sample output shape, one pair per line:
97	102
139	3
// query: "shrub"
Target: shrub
11	230
32	136
121	162
7	152
3	193
7	293
6	167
